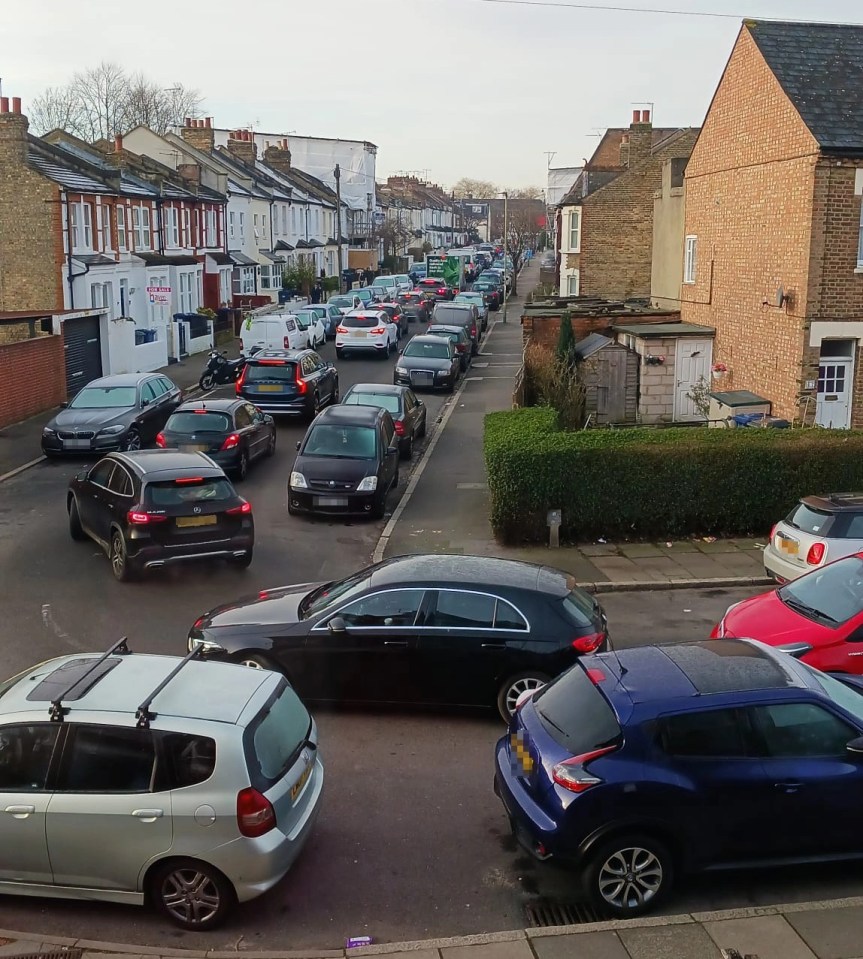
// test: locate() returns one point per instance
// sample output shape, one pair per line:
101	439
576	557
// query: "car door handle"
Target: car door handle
494	645
148	815
788	787
395	642
20	812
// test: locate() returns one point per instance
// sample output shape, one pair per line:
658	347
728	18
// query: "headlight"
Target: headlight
205	644
47	431
298	481
112	430
401	370
368	485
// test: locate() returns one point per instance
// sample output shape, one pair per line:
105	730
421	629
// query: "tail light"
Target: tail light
286	342
241	380
773	531
378	331
473	331
572	774
596	676
138	516
244	509
341	329
255	813
400	427
160	440
302	385
231	442
588	644
816	554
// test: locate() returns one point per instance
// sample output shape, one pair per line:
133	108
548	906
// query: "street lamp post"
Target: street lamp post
505	246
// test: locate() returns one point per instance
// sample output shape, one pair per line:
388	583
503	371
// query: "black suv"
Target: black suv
155	507
289	382
347	463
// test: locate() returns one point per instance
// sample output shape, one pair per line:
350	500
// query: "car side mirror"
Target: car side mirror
337	625
145	402
855	747
64	405
299	444
82	476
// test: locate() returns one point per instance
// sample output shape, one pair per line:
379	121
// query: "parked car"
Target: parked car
330	316
438	289
232	432
478	300
273	331
459	338
818	530
403	281
491	290
818	617
347	462
366	330
446	630
644	764
417	272
428	362
347	302
313	326
153	508
396	315
384	288
127	756
289	382
120	412
368	298
407	410
460	314
416	305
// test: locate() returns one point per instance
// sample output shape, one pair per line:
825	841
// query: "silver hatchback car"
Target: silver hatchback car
131	778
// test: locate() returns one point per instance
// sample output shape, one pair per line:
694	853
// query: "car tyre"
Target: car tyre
334	399
119	557
340	354
132	441
629	875
407	451
242	470
255	661
271	446
514	687
192	894
380	506
76	531
422	430
241	562
207	382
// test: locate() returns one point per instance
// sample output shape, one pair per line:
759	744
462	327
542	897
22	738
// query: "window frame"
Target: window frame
571	275
75	729
420	611
53	759
121	227
574	227
758	711
690	259
745	721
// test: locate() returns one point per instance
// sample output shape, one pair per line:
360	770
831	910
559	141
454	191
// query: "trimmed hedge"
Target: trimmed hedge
640	483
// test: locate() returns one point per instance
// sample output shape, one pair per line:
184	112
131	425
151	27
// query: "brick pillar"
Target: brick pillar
199	134
241	144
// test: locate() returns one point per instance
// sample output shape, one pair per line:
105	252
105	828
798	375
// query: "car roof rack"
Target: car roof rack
57	709
143	713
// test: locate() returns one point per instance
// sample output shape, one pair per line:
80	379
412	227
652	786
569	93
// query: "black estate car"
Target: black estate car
121	412
233	433
289	382
406	408
347	463
155	507
428	362
453	630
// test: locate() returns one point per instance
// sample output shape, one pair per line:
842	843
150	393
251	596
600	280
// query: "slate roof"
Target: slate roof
820	68
591	344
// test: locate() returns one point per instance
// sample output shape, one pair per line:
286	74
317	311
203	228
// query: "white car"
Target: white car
385	287
346	302
405	283
274	331
367	330
313	325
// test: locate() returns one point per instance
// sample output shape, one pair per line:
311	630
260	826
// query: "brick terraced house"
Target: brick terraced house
774	237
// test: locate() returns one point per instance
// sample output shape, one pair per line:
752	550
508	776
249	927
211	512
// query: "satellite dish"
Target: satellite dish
780	297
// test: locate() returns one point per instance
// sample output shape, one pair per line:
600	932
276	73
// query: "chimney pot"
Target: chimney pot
208	123
187	122
636	116
16	104
4	104
199	124
118	143
645	116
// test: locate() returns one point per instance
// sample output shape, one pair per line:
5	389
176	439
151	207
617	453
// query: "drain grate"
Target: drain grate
550	912
51	954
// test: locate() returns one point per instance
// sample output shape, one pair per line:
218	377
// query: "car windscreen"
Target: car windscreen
385	401
188	490
384	284
343	441
575	713
848	697
304	320
331	593
199	421
468	298
342	302
275	737
436	351
809	520
363	322
104	397
281	372
834	593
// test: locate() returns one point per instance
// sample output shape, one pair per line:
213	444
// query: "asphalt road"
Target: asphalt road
411	842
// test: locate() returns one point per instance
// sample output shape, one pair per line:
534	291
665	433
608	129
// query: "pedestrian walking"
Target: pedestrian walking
317	293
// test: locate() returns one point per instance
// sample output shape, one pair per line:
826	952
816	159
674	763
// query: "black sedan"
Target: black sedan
121	412
428	362
233	433
416	305
404	406
451	630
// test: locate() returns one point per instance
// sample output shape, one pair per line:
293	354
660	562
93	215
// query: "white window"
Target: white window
294	220
242	226
573	283
860	244
247	279
690	259
74	224
105	226
232	225
264	225
172	225
121	227
210	220
224	286
188	288
124	297
256	224
87	220
102	295
575	230
265	277
141	227
187	227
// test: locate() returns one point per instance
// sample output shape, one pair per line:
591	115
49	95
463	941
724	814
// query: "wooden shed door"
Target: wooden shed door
611	390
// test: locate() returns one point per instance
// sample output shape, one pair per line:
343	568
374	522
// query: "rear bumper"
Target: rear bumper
780	567
377	346
298	406
150	555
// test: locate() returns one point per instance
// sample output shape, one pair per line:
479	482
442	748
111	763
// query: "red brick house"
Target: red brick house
774	242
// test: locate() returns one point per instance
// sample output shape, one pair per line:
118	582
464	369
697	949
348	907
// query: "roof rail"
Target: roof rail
143	714
58	710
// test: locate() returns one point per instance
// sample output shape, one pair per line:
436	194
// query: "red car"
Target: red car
437	287
817	617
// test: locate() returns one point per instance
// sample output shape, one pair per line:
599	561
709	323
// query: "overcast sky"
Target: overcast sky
445	88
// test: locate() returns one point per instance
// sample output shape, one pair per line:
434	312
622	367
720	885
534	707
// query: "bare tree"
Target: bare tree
394	236
103	94
478	189
527	193
56	108
521	236
159	108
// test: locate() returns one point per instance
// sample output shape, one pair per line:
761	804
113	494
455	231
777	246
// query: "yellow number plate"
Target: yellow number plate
790	546
297	788
270	388
196	520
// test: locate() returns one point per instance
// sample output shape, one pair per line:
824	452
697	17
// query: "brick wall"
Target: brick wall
40	364
544	329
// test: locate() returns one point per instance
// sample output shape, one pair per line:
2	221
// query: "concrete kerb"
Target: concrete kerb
643	585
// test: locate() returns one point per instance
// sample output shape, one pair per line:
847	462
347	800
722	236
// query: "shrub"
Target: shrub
565	350
548	381
330	284
634	483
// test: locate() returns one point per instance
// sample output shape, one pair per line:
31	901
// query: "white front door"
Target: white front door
692	365
833	406
160	318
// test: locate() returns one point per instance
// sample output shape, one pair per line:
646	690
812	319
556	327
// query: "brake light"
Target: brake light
302	386
400	427
341	329
138	516
255	813
816	554
572	775
231	442
588	644
773	531
286	342
378	331
189	479
242	510
473	331
160	440
241	380
596	676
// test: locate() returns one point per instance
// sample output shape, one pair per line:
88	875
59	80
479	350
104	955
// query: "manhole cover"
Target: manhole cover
548	912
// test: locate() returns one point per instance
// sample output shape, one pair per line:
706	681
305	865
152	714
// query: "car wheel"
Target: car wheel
242	470
241	562
509	692
119	558
292	510
451	385
192	894
407	450
316	405
380	506
76	531
629	875
254	661
335	397
271	446
132	442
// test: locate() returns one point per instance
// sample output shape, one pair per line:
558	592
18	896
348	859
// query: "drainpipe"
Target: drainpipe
70	276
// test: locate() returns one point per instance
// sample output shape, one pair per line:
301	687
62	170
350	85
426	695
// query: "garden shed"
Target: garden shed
609	371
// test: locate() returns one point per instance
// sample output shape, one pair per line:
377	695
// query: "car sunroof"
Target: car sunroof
727	666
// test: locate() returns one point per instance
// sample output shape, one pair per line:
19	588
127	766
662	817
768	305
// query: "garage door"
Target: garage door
82	343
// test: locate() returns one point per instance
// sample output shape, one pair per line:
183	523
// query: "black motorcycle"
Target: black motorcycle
220	370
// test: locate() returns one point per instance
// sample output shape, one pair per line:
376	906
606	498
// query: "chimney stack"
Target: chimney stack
13	133
199	134
279	157
118	143
191	173
242	146
640	137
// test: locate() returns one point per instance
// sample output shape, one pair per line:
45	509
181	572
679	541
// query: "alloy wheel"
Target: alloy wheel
118	555
630	878
133	441
191	897
519	686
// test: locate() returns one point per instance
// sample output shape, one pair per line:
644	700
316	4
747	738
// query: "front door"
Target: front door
833	406
692	365
160	312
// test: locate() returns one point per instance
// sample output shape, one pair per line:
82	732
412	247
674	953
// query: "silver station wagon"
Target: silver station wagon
133	778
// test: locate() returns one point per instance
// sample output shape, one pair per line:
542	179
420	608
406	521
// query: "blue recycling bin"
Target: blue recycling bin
761	420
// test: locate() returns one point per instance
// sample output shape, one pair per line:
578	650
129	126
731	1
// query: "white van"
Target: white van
274	331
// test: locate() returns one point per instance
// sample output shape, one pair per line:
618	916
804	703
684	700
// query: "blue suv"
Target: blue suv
637	765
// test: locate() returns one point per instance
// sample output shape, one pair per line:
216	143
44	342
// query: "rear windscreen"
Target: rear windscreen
182	492
809	520
575	713
362	322
203	422
268	372
275	737
579	608
385	401
458	317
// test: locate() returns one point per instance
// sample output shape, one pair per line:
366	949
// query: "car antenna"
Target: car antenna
143	714
58	710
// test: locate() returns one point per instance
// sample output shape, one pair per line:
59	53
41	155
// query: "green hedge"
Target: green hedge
634	483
